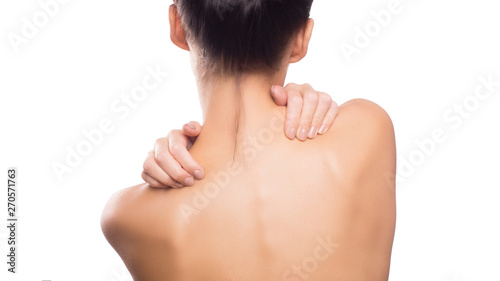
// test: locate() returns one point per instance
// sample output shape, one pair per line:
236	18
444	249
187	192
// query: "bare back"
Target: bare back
319	210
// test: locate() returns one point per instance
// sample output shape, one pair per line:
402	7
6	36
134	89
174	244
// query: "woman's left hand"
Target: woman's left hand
308	112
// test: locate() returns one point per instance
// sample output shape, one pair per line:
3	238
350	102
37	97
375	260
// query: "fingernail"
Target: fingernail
322	130
198	174
191	125
273	88
178	185
312	133
291	133
189	181
302	135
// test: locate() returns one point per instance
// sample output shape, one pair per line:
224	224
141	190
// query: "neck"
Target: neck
236	110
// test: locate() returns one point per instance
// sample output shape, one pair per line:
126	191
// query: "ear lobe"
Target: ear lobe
302	42
176	32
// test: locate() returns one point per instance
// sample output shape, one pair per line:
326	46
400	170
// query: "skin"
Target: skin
169	164
271	208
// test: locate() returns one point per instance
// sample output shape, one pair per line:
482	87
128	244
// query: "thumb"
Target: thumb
279	95
191	129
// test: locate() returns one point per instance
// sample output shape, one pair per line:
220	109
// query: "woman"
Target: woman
269	208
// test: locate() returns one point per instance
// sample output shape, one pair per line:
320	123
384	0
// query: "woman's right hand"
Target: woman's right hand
169	164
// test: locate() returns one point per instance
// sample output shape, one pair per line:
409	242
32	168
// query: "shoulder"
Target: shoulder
362	124
117	215
134	213
362	141
367	117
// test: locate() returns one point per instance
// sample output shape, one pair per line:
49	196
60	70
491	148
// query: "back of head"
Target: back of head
236	36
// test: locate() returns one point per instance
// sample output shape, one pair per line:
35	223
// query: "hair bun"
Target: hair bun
241	35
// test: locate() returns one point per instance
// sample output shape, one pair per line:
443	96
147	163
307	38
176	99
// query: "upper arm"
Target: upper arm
114	223
365	154
137	224
123	228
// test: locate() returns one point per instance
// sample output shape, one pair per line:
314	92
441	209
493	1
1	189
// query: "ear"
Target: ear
176	32
301	44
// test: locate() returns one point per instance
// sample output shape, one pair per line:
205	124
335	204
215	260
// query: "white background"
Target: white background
426	60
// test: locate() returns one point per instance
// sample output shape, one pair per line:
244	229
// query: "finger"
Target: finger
151	181
279	95
329	118
169	164
177	146
155	175
310	103
324	103
192	129
293	110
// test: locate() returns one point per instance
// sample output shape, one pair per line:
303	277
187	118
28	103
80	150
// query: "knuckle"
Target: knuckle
176	149
324	98
160	141
311	97
161	154
296	100
161	158
146	166
308	87
173	133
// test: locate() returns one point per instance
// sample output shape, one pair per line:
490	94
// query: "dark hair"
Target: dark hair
235	36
